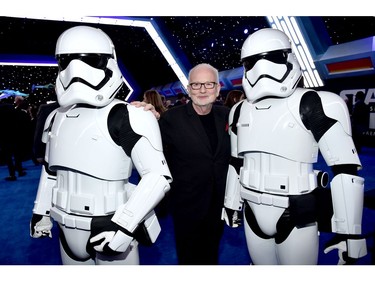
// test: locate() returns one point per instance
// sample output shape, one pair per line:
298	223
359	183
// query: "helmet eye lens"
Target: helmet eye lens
94	60
278	56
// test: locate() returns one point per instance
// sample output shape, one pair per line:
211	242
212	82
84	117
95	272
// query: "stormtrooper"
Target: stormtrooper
93	142
277	133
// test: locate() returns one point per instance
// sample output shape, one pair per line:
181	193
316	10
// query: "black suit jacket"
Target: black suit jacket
199	174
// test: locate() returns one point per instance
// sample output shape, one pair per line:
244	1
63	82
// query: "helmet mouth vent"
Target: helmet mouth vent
289	68
108	74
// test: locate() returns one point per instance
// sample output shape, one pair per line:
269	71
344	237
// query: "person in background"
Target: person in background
23	133
32	111
8	112
167	102
219	100
14	145
197	149
360	120
39	147
181	99
233	97
153	97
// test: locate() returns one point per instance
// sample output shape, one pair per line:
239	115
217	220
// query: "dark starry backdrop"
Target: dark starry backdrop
216	40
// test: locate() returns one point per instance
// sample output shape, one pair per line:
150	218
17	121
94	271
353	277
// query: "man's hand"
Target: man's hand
231	217
40	226
146	107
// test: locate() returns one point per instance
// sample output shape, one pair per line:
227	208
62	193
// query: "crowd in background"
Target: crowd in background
18	126
17	131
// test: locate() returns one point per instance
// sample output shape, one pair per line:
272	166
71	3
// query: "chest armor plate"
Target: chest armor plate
79	140
273	126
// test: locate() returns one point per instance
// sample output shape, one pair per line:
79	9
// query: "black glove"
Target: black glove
103	231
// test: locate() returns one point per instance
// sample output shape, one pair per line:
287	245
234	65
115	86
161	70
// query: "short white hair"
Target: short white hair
205	65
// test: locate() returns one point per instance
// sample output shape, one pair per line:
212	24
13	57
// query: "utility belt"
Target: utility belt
89	196
258	197
276	189
71	221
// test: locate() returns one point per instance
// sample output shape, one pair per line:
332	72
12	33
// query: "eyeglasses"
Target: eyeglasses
207	85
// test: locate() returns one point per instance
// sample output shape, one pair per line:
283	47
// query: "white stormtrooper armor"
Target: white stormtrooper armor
277	71
278	131
93	143
88	70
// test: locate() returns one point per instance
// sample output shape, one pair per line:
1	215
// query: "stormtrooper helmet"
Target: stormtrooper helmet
88	71
270	67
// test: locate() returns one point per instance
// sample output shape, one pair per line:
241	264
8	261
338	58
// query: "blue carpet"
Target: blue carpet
18	248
